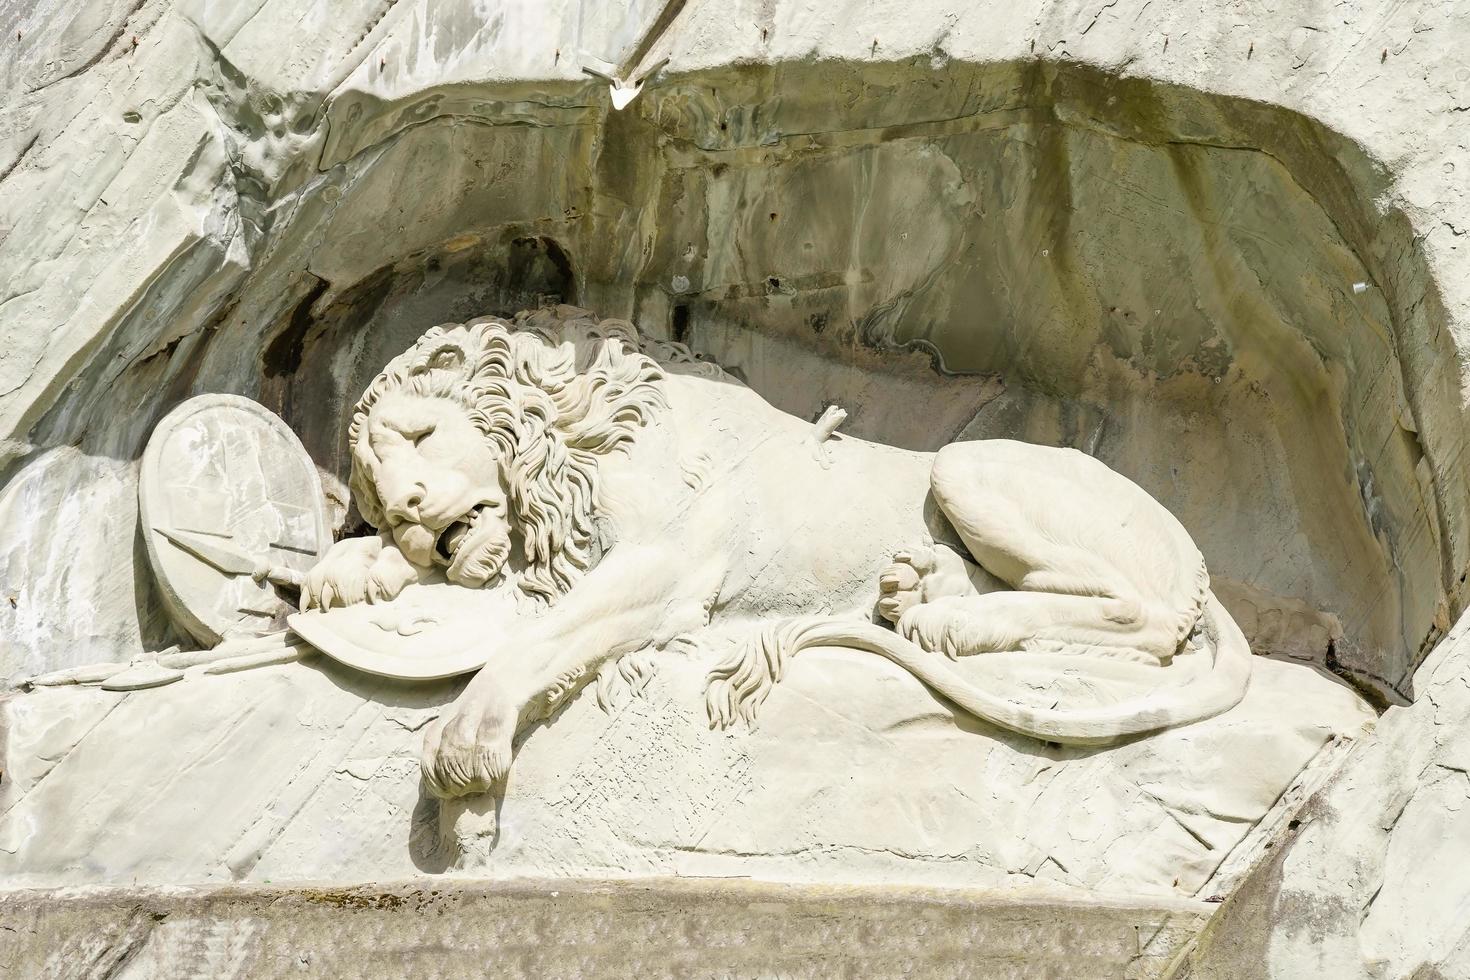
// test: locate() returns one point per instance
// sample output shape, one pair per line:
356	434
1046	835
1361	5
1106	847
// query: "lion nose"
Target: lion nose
404	505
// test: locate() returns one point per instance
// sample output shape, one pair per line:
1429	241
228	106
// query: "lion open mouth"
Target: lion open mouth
474	548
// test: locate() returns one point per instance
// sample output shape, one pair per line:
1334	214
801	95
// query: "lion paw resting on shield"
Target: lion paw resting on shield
632	493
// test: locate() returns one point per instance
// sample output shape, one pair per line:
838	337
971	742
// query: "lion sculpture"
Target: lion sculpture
633	493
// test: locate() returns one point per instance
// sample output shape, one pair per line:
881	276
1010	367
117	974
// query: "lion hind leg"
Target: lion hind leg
962	626
955	626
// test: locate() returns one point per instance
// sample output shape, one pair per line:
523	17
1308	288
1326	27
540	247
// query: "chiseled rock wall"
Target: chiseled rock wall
310	772
1132	227
1369	880
579	929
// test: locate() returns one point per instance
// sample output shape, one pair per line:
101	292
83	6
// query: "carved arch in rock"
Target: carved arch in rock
1206	292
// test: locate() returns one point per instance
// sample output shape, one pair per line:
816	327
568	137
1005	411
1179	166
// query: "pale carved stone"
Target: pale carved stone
1220	246
231	507
626	495
564	504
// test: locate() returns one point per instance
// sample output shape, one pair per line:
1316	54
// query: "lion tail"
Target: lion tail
738	686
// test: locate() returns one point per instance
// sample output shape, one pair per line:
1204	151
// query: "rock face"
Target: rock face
1220	249
1366	882
578	929
1109	733
1147	261
152	781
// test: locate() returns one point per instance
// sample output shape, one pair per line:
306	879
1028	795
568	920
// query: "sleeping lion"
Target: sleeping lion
633	493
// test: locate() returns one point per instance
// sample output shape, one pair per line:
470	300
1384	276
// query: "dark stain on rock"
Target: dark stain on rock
538	264
283	354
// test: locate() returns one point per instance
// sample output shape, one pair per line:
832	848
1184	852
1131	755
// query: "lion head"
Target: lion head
487	431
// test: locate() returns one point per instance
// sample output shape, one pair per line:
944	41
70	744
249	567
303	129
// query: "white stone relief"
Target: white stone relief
1223	252
231	507
543	455
564	503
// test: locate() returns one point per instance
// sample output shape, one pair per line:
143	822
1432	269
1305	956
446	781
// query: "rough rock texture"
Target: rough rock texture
576	929
309	772
1132	227
1369	879
1135	227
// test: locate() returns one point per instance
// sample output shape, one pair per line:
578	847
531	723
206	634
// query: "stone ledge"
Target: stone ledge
568	928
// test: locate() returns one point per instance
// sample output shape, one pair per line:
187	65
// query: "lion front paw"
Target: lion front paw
357	570
466	751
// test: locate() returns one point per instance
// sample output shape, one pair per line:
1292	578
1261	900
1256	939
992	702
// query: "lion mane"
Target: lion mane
554	390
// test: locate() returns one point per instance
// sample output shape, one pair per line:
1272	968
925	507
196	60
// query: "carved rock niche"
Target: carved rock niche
1205	293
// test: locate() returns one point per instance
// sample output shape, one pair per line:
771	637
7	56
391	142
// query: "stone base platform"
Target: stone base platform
567	929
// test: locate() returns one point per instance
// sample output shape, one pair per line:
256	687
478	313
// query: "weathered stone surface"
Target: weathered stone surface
1369	880
310	772
1122	225
223	477
575	929
1035	770
1222	248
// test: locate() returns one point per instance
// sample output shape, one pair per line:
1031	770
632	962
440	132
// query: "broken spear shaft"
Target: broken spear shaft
231	560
